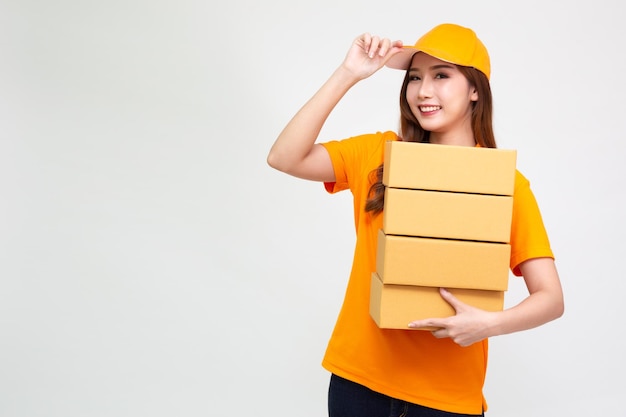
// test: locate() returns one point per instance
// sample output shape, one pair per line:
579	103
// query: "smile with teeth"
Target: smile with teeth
427	109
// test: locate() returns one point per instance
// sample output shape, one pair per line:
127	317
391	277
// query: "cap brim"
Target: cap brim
402	59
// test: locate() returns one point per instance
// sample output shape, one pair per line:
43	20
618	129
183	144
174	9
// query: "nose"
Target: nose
425	88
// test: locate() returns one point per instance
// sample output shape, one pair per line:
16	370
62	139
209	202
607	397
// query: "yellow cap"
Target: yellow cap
448	42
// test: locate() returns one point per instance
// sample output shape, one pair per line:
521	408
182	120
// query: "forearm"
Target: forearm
544	304
537	309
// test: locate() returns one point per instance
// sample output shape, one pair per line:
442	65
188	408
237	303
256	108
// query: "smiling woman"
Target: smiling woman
445	99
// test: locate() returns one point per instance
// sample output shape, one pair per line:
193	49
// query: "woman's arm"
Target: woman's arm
295	151
545	302
470	325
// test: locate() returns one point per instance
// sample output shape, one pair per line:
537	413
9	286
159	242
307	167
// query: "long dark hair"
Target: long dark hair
411	131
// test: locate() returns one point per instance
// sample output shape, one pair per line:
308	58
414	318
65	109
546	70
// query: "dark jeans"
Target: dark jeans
349	399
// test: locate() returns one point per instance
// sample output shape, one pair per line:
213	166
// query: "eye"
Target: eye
441	75
413	77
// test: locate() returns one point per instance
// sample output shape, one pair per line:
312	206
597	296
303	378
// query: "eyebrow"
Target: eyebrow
435	67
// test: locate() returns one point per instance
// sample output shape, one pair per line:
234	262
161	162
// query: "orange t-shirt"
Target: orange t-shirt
411	365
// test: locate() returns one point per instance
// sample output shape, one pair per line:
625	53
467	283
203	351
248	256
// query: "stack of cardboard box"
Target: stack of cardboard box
446	223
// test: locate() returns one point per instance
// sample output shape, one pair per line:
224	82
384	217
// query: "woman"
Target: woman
445	99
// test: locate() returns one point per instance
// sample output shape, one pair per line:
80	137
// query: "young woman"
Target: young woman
445	99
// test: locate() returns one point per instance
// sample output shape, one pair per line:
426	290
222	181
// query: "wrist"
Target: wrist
346	76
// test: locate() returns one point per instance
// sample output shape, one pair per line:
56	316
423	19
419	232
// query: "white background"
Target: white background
152	264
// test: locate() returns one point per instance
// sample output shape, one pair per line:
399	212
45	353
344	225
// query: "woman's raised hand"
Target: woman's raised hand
369	53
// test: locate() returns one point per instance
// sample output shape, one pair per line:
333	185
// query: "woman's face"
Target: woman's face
441	99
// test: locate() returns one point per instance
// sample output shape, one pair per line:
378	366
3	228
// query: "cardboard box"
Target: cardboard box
407	260
395	306
449	168
447	215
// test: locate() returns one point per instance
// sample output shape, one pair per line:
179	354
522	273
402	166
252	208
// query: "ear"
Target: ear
474	94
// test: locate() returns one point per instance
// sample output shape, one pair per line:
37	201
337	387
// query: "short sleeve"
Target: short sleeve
339	166
529	238
352	158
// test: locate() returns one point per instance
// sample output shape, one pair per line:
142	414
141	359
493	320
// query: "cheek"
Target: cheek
411	91
460	94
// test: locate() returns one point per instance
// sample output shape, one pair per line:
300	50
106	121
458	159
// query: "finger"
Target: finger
365	40
394	48
385	44
417	324
426	323
440	333
373	49
450	299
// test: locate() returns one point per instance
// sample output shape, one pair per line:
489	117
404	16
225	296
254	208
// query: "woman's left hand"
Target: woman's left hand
469	325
